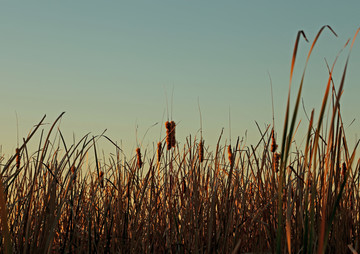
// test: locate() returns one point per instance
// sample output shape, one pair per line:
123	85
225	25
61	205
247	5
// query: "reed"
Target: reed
235	199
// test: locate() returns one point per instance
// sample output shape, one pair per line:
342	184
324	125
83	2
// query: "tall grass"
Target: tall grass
188	199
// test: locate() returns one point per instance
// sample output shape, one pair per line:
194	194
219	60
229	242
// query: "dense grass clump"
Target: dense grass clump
187	199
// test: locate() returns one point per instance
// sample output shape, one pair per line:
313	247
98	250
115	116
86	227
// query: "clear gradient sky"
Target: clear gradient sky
110	64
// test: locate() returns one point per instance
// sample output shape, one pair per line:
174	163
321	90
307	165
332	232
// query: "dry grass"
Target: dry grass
188	199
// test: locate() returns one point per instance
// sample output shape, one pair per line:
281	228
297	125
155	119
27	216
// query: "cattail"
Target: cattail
168	134
273	142
201	151
101	179
230	156
276	161
173	140
138	154
159	151
18	158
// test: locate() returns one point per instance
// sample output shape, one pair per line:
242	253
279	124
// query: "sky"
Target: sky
128	66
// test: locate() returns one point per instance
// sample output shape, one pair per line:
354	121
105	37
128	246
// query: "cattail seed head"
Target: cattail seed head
173	140
201	151
138	155
273	142
230	156
168	134
158	151
101	179
276	161
18	158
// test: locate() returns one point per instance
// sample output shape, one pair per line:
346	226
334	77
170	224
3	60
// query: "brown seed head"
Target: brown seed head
173	140
276	161
201	151
273	142
168	134
17	158
230	156
138	154
159	151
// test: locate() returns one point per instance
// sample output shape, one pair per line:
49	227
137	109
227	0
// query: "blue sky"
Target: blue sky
113	65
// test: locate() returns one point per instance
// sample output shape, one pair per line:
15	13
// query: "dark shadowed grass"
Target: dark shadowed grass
188	199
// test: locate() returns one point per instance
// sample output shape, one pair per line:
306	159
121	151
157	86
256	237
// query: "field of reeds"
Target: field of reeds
269	197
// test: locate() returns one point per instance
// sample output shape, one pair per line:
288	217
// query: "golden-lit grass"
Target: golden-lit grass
188	199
